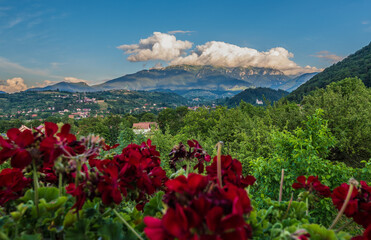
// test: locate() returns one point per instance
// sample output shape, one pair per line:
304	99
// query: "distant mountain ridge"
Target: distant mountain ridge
187	78
66	87
355	65
296	82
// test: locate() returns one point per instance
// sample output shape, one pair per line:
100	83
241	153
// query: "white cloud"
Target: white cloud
159	46
13	85
74	80
162	46
329	56
178	31
229	55
365	22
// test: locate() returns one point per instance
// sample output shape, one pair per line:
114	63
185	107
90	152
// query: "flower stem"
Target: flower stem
187	170
36	186
60	182
281	185
344	206
288	207
219	163
307	205
78	168
127	224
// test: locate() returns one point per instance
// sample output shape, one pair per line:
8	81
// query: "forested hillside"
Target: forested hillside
355	65
256	96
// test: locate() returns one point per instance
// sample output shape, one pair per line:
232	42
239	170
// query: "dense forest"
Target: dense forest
355	65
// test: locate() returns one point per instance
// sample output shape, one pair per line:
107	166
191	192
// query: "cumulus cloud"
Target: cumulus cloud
329	56
13	85
159	46
229	55
164	46
74	80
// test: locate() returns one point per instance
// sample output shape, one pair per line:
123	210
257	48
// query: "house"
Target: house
144	127
259	102
23	127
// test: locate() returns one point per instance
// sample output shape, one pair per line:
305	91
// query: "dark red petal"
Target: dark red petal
21	159
50	128
367	233
232	221
65	130
13	133
4	143
190	143
312	179
154	229
301	179
297	185
24	139
213	218
174	223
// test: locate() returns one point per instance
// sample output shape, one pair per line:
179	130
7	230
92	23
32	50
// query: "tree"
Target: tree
347	106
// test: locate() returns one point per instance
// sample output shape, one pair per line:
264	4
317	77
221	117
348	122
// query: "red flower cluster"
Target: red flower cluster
231	172
12	183
200	209
312	184
15	147
136	173
179	153
359	205
86	189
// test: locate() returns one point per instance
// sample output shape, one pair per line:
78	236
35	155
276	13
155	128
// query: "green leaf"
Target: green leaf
47	193
111	231
154	205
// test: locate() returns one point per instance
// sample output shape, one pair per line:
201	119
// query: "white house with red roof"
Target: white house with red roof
144	127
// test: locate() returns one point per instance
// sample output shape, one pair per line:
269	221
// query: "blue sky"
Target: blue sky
43	41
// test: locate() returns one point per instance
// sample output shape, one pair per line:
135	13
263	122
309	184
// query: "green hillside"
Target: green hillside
251	95
355	65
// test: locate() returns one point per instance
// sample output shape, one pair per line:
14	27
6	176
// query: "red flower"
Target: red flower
48	174
180	153
78	193
199	209
107	147
136	174
312	184
12	183
110	186
54	145
231	172
15	148
338	197
155	229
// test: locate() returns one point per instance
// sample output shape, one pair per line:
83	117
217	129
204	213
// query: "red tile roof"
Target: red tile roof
144	125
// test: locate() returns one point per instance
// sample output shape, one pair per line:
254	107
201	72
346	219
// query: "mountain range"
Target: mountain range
189	81
66	87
